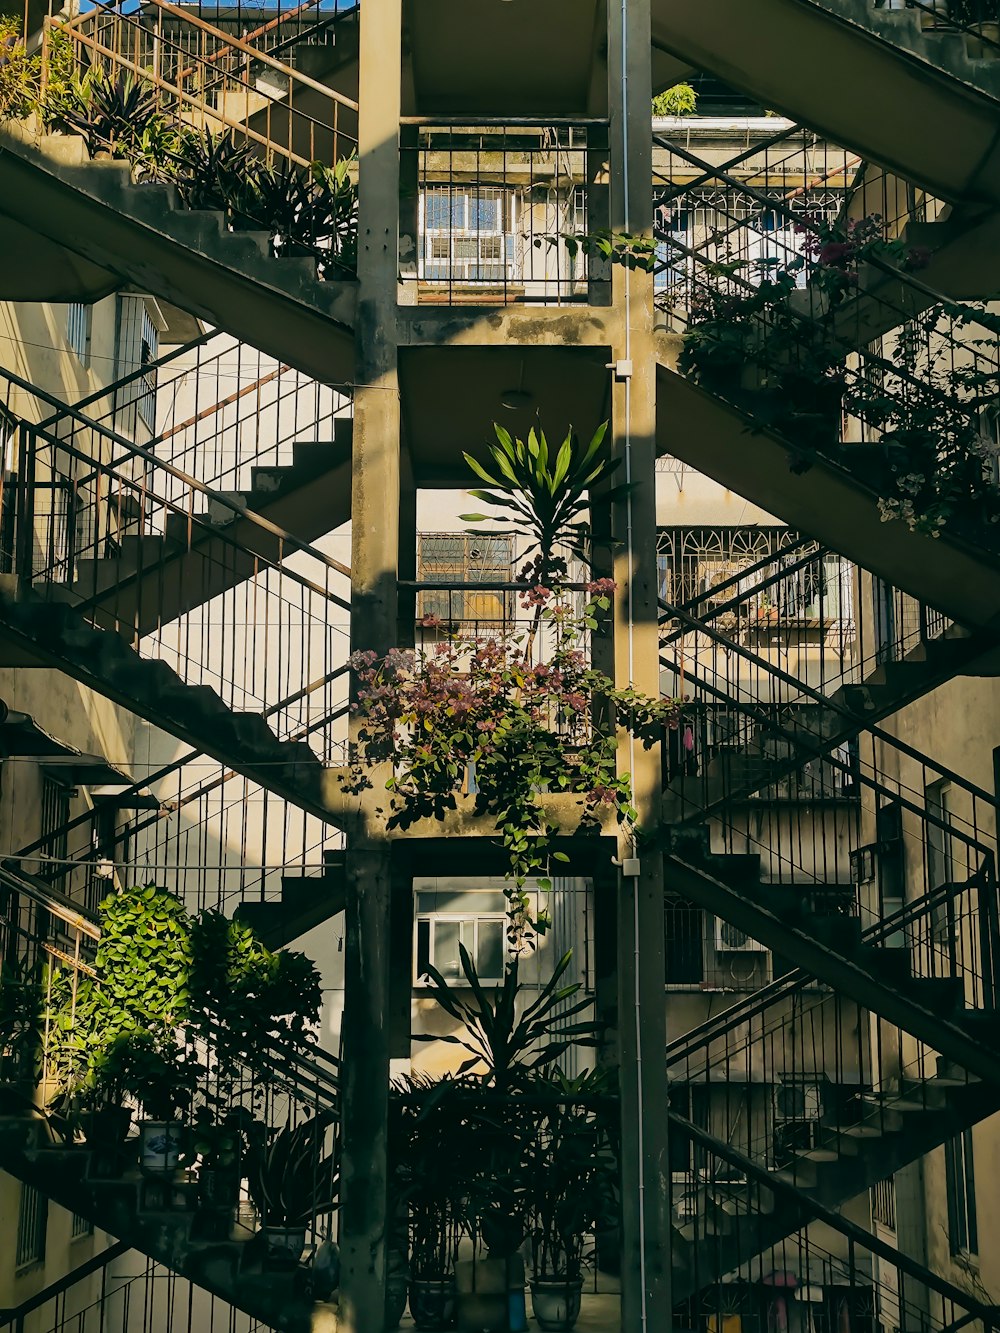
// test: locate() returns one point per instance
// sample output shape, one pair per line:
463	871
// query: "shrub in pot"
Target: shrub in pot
292	1179
220	1148
572	1171
161	1078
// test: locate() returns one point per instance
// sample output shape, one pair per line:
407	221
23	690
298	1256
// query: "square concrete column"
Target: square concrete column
646	1299
375	558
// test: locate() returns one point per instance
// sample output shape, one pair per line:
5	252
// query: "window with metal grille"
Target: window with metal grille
81	1226
468	234
450	557
685	929
960	1184
884	1202
32	1224
79	321
137	342
55	817
8	479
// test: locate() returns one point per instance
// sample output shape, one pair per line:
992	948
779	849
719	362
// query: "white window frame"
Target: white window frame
456	269
463	919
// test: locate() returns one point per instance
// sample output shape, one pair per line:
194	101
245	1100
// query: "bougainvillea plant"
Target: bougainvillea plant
511	716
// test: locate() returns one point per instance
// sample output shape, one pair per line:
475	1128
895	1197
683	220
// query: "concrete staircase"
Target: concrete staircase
46	633
156	578
143	235
730	1223
918	102
830	947
306	901
132	1207
823	497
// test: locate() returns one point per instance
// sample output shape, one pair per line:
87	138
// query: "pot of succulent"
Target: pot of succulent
570	1165
293	1179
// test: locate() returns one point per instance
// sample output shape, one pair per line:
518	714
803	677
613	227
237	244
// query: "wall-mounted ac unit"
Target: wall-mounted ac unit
730	939
797	1101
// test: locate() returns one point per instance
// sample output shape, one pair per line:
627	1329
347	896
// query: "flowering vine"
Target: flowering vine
511	717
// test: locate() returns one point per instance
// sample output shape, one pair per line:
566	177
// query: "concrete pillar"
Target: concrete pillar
375	500
646	1299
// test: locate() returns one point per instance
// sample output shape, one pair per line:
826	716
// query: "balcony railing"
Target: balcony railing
489	210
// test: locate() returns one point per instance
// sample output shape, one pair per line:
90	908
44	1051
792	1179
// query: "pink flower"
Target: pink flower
601	587
431	622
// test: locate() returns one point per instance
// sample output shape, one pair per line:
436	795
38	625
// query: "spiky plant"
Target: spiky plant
546	492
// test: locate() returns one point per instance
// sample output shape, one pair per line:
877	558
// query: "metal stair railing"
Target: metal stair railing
270	637
211	80
222	407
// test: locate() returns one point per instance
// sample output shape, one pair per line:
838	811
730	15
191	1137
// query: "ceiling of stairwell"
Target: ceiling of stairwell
503	57
452	395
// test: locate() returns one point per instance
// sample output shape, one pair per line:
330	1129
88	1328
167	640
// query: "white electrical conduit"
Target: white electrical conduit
629	547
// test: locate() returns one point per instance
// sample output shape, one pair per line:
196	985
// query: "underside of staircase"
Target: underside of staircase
869	79
154	579
131	1207
141	234
829	946
735	1221
47	633
823	498
306	901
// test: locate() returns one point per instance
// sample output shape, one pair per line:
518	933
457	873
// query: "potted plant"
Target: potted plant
292	1179
425	1186
220	1148
571	1167
157	1073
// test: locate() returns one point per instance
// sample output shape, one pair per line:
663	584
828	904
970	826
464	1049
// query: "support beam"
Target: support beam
646	1297
375	510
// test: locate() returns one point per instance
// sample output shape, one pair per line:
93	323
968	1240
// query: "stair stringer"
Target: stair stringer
845	975
825	501
52	634
144	235
229	1270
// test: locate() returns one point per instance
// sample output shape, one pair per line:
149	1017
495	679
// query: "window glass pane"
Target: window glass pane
423	947
446	937
489	951
461	902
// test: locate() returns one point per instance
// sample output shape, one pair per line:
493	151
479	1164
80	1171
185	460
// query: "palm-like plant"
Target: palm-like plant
545	491
510	1045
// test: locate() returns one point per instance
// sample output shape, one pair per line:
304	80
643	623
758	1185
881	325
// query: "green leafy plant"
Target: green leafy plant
19	72
572	1174
680	100
112	113
292	1178
156	1070
629	249
506	1038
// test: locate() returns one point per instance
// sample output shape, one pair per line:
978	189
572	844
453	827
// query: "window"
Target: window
79	321
446	918
685	928
81	1226
960	1183
55	817
447	557
32	1224
940	853
884	1203
137	345
8	478
468	235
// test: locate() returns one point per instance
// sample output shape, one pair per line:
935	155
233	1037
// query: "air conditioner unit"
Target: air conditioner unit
730	939
797	1101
